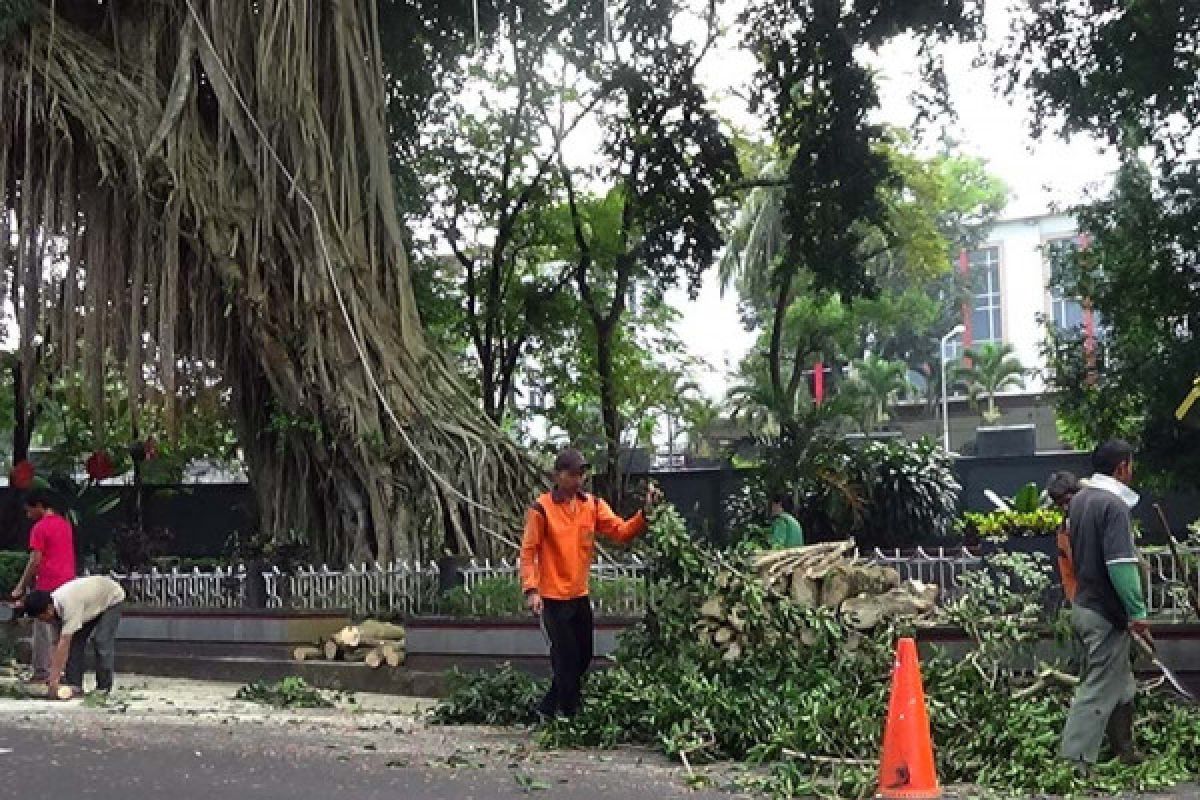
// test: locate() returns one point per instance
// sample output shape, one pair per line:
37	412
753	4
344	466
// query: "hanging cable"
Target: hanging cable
337	291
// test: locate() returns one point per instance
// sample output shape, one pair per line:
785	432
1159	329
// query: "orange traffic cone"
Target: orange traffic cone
906	768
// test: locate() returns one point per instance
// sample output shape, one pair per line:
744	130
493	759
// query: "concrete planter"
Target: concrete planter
1005	440
229	626
441	642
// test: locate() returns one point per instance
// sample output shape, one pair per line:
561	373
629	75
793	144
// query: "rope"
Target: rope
320	231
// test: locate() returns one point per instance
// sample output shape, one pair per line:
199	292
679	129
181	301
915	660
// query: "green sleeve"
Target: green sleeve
779	532
1128	582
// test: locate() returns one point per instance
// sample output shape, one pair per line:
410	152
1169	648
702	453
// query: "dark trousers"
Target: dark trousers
101	632
569	626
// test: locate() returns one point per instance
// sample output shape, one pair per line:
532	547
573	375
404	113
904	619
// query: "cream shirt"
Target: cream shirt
82	600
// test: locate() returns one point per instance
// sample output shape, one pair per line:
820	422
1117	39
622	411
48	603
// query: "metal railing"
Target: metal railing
1168	592
487	589
221	588
943	566
401	587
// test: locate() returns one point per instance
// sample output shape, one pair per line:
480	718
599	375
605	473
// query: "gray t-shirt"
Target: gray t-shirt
1101	534
80	601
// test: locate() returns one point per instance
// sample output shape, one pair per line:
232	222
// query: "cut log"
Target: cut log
308	653
712	608
371	641
65	693
332	650
348	637
375	658
913	598
736	619
805	592
358	656
394	658
375	629
733	653
850	580
723	635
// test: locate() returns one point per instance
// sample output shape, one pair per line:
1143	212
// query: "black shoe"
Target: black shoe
1120	735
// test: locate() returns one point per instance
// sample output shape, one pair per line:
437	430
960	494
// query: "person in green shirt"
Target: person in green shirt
785	530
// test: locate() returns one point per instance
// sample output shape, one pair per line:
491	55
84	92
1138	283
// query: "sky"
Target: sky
1043	174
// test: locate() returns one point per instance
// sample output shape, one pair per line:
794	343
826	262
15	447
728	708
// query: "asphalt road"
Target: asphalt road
132	762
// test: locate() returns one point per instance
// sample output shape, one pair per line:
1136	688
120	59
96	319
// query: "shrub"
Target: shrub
889	494
12	565
502	597
1000	525
911	492
492	597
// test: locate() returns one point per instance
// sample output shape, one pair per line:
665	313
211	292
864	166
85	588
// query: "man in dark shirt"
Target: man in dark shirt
1107	607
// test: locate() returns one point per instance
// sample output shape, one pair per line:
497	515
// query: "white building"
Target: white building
1011	294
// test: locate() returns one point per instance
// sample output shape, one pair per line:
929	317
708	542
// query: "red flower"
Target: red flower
99	466
21	476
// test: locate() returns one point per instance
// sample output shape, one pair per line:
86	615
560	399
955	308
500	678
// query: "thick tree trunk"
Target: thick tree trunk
278	241
613	484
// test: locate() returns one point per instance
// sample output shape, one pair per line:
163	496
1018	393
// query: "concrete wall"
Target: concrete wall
915	421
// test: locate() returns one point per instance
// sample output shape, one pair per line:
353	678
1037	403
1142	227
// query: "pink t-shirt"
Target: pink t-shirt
53	538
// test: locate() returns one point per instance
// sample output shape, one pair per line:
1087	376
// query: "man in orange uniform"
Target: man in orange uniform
556	557
1061	487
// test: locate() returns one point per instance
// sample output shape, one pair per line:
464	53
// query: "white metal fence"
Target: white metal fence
487	589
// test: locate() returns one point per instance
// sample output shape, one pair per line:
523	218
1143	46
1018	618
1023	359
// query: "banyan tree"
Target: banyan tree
207	181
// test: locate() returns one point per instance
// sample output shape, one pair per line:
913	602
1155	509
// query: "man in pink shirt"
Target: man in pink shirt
51	564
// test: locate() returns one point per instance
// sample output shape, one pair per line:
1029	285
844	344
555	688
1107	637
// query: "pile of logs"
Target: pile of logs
372	642
824	576
814	576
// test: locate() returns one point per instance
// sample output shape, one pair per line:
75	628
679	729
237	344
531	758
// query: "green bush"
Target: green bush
12	565
502	597
885	494
492	597
1000	525
911	492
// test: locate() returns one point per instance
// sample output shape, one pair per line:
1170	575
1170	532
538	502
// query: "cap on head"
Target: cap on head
570	460
36	603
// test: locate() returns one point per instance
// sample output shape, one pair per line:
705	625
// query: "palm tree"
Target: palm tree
878	382
756	406
991	369
756	237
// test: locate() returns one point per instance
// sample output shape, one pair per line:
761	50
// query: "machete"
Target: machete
1148	649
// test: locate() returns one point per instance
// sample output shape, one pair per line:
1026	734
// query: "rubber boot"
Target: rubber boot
1120	735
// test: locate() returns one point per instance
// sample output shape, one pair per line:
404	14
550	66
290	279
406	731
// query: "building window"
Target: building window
1066	313
986	323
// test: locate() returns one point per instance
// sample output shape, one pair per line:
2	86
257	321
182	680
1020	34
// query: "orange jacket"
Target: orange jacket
560	540
1066	567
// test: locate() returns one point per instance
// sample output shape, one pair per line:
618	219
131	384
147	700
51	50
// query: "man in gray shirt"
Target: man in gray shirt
1108	607
85	609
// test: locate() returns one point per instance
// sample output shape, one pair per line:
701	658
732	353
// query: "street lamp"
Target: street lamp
955	331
